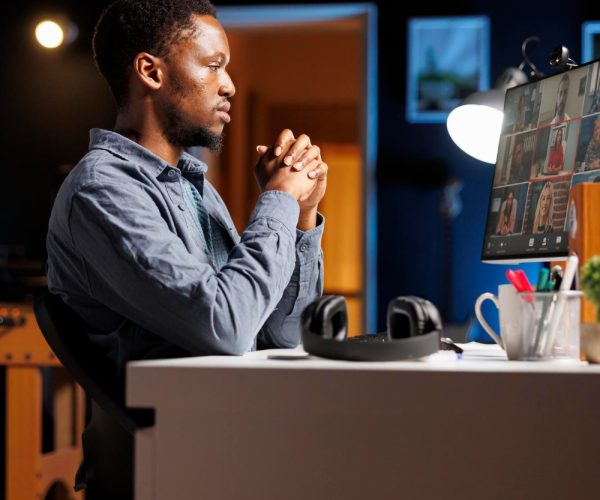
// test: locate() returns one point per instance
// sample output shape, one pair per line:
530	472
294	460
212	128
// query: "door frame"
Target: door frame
258	16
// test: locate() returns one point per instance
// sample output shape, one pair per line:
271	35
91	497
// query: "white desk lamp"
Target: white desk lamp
476	124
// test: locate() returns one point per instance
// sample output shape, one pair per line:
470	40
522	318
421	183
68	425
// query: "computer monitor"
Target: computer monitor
550	141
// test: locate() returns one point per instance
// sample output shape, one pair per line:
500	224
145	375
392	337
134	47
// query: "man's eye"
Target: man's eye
214	67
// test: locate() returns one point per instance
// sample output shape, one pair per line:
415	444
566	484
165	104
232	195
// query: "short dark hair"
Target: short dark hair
128	27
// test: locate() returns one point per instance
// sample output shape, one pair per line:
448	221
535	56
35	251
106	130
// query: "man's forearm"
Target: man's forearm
282	328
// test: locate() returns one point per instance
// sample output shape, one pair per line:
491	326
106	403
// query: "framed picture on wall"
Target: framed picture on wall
448	59
590	41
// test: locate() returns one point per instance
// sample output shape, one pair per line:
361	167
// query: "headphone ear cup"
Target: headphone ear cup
327	317
434	319
409	316
403	317
430	319
422	314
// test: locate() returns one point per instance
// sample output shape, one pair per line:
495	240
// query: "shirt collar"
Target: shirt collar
129	150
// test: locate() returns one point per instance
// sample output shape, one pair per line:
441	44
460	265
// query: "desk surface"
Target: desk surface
476	357
258	428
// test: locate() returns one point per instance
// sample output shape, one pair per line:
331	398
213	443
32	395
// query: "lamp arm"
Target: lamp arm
535	73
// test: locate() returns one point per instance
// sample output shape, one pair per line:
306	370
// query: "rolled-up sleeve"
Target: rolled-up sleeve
140	269
282	328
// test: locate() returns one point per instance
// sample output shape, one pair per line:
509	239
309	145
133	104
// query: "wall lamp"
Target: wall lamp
52	33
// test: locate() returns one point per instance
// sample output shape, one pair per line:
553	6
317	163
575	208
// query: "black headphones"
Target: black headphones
413	330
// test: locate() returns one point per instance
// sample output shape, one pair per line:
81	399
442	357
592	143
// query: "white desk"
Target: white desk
477	428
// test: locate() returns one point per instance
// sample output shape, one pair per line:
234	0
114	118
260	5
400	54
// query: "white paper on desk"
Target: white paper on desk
477	350
289	356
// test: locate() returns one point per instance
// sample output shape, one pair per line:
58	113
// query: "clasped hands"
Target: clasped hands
295	166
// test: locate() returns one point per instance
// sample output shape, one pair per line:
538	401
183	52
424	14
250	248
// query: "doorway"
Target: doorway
311	69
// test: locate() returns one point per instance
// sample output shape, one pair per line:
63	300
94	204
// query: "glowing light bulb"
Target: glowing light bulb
49	34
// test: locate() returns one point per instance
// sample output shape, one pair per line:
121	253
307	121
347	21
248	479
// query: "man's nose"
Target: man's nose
227	88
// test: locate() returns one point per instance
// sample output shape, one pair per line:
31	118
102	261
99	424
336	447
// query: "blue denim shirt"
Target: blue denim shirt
125	253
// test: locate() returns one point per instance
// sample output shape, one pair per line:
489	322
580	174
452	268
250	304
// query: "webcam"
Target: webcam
559	58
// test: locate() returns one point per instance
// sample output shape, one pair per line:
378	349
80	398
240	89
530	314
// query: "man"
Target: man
591	161
131	247
140	244
561	100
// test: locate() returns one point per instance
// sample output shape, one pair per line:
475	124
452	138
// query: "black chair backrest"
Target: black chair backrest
65	332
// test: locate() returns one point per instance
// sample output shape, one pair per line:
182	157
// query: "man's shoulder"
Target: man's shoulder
91	166
101	167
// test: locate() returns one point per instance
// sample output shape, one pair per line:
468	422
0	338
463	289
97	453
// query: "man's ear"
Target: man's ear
148	70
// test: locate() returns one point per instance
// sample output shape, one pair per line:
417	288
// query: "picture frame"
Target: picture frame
448	59
590	41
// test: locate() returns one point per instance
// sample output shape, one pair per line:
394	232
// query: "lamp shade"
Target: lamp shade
476	124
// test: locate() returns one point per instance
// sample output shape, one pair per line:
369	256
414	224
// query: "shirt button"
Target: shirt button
303	248
181	207
171	173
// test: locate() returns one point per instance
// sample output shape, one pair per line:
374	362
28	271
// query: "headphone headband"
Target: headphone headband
413	330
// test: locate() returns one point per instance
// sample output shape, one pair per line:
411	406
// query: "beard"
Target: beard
180	132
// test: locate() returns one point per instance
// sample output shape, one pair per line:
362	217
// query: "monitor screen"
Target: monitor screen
550	141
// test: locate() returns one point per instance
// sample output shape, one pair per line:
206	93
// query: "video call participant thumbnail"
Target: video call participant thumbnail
507	209
591	160
520	166
542	222
521	110
507	216
547	205
592	98
560	114
562	97
556	154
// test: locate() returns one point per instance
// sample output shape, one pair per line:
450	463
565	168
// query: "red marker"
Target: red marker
514	279
520	282
524	281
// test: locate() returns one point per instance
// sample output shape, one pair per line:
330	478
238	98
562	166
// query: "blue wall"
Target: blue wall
419	253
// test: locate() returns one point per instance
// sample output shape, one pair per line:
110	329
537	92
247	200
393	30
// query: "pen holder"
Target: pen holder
550	325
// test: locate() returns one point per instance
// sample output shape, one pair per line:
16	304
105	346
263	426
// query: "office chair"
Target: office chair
107	468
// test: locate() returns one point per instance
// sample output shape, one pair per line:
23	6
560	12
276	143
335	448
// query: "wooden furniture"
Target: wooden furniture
257	428
30	473
583	224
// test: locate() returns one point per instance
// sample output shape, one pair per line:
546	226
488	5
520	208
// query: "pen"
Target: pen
514	279
542	283
557	276
524	281
520	282
559	303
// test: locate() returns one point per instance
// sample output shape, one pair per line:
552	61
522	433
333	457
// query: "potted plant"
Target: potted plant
590	332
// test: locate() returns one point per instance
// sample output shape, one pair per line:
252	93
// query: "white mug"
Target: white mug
508	304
